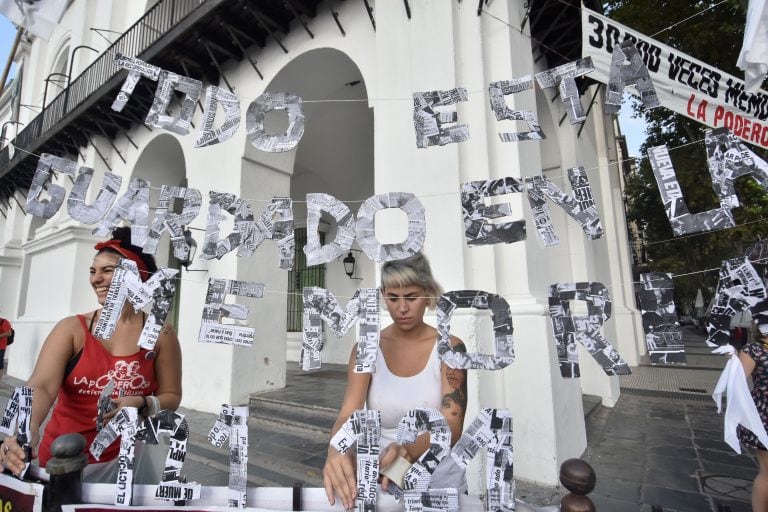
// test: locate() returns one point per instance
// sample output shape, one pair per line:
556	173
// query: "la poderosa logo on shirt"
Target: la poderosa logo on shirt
125	374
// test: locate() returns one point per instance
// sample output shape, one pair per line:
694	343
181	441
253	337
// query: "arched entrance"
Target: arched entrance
335	156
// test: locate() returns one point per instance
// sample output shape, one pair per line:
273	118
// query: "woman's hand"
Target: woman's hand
123	401
340	477
388	457
12	456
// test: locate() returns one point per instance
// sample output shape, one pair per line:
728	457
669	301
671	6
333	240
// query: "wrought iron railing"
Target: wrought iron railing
139	37
299	277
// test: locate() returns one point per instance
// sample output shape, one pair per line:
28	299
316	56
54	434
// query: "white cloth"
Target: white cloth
740	408
753	58
394	396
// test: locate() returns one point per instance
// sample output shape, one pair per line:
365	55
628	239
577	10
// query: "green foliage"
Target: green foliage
714	37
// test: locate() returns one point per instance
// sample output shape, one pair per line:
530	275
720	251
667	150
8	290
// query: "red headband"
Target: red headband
114	244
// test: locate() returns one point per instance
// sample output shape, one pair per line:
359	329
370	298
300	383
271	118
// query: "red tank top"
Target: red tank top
78	397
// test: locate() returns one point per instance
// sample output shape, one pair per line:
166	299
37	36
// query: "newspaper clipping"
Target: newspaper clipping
362	429
682	221
256	113
663	335
125	426
492	429
171	222
564	78
728	158
416	421
136	69
479	225
91	214
172	486
207	135
504	353
168	83
497	91
579	205
319	304
212	330
366	232
232	424
438	128
133	207
628	68
569	328
47	163
345	229
740	287
16	421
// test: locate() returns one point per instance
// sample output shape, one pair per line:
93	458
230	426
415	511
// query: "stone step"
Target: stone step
306	419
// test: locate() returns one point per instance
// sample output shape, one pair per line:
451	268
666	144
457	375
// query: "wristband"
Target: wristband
143	407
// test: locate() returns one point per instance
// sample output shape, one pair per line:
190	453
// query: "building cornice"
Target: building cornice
57	238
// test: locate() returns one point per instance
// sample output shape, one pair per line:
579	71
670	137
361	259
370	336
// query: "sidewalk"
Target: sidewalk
661	445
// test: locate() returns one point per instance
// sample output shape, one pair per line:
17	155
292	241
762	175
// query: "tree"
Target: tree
714	37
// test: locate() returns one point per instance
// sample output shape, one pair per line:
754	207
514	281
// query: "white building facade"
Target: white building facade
356	71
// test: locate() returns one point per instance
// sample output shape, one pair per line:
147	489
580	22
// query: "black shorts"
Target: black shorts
2	359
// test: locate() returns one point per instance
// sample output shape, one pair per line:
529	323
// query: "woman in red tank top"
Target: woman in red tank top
74	366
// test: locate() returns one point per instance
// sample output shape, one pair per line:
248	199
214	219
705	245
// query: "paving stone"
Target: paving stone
679	501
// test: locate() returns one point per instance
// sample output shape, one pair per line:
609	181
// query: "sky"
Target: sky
7	33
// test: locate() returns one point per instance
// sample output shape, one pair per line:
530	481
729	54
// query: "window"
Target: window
299	277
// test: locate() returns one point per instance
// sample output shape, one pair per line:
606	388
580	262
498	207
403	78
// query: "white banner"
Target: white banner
688	86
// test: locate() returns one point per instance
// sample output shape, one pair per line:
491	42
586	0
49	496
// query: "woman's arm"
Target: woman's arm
45	382
454	384
747	362
339	473
168	369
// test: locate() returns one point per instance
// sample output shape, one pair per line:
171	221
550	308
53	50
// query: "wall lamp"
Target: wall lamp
190	241
349	265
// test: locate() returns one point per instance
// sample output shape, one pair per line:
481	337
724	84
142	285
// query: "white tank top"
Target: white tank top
394	396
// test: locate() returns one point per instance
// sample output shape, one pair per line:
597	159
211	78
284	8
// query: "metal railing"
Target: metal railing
138	38
299	277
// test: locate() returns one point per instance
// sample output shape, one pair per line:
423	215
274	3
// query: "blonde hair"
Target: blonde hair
412	271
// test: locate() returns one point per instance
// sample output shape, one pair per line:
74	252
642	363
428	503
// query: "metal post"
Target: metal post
69	75
66	470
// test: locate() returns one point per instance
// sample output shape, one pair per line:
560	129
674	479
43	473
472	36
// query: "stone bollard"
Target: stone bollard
66	470
578	477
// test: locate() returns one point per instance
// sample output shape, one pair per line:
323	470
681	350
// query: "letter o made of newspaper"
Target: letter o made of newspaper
504	353
366	234
256	113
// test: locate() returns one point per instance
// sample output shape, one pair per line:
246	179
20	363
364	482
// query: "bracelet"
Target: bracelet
155	407
143	407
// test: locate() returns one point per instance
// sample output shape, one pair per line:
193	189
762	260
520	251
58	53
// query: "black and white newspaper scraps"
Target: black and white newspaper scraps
125	425
91	214
316	252
172	222
579	205
503	354
366	231
478	226
168	83
275	223
232	424
496	93
212	330
16	421
492	429
628	68
740	287
172	486
585	329
127	285
136	69
41	181
430	124
105	404
133	206
256	113
230	104
416	421
728	158
363	429
319	304
432	500
564	78
663	335
680	218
